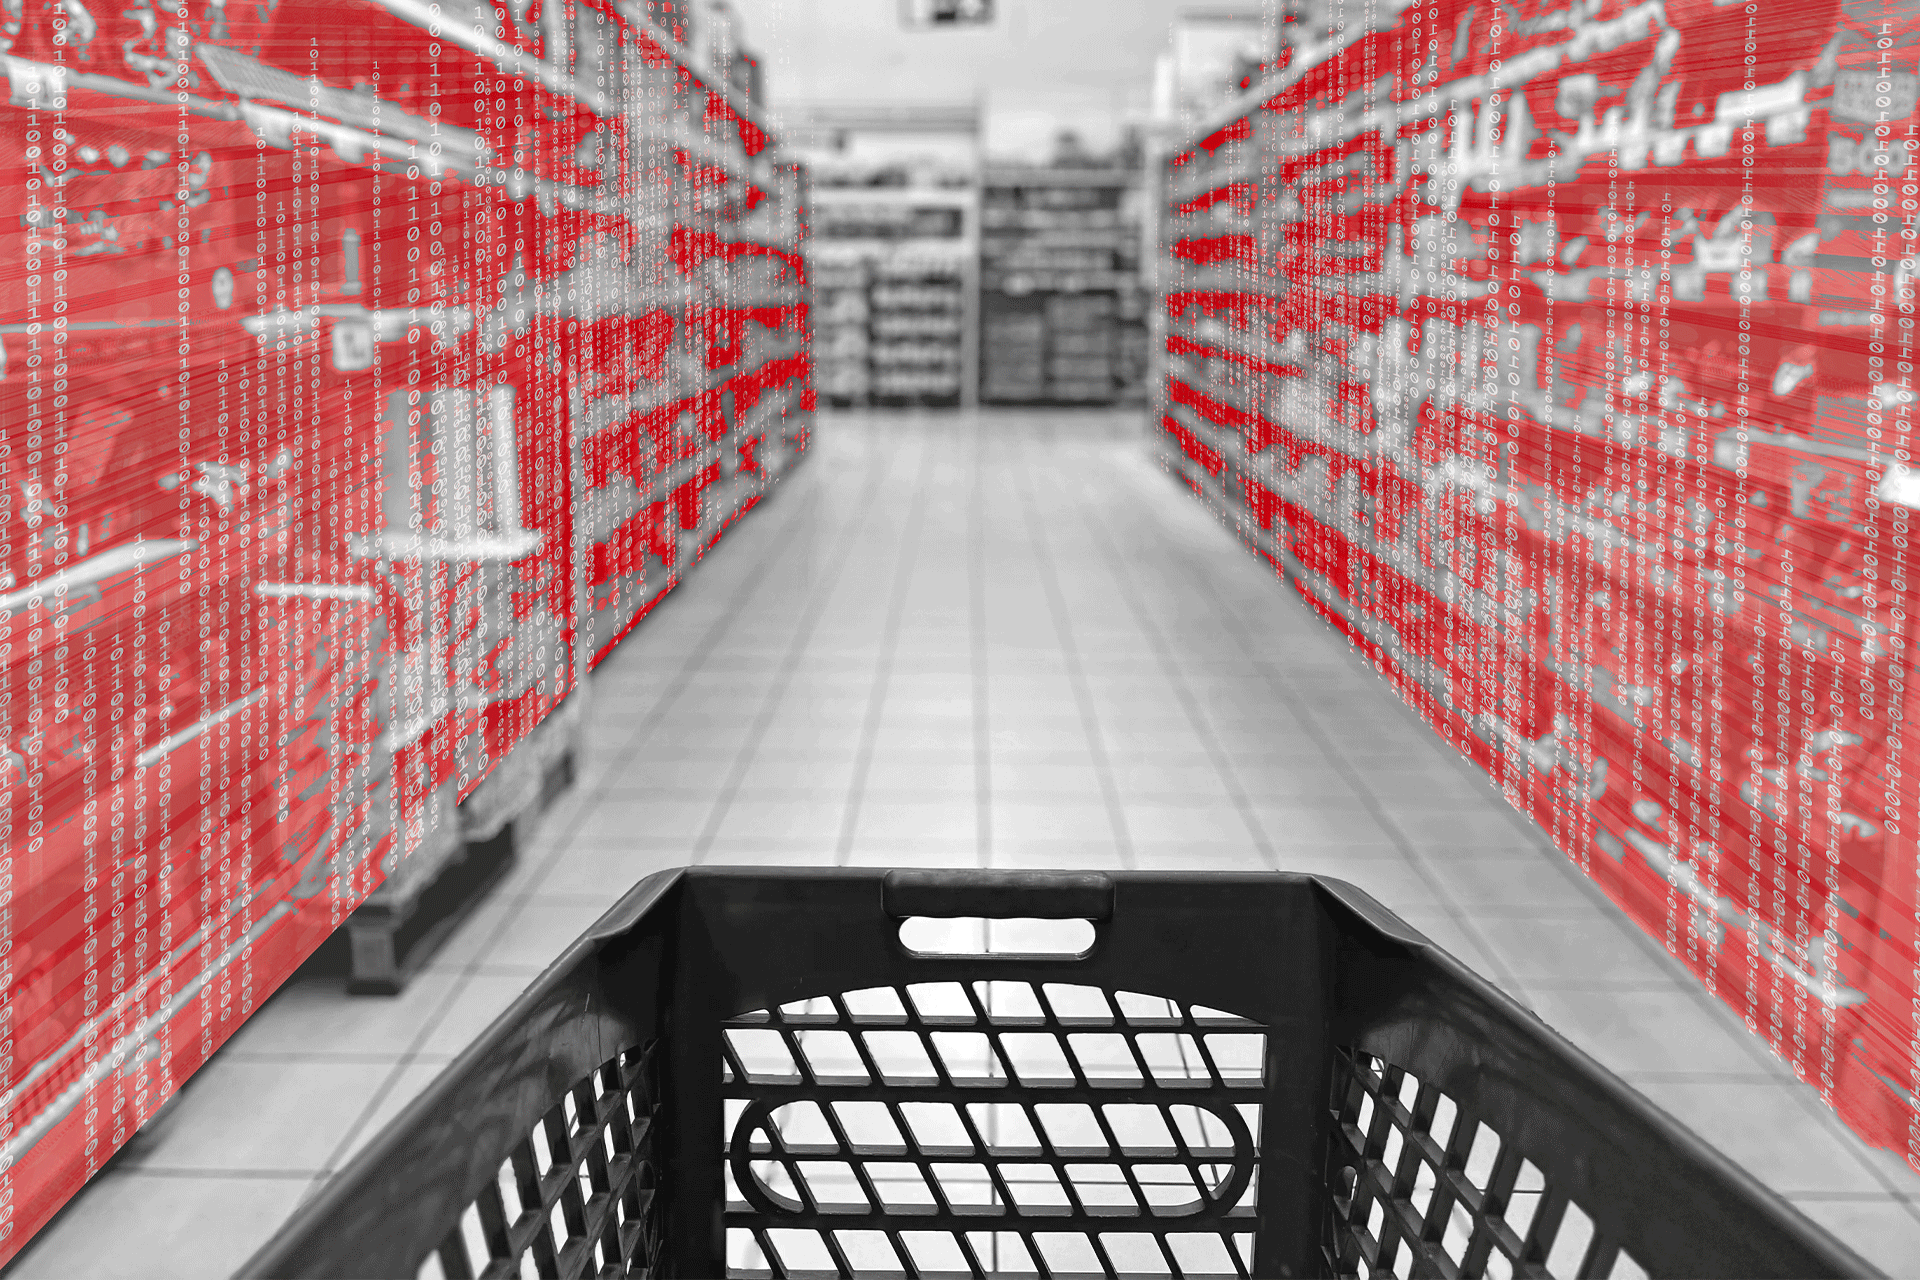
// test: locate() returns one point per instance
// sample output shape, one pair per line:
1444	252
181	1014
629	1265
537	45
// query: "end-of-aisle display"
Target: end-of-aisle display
367	370
1062	305
1562	358
898	292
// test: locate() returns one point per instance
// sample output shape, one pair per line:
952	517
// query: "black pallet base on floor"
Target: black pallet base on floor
392	941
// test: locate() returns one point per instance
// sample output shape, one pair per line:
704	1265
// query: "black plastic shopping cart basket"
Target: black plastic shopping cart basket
847	1073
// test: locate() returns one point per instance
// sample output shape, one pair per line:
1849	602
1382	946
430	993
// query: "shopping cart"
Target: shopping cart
858	1072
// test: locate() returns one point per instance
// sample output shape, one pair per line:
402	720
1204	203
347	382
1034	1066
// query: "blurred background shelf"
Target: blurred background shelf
897	282
1062	305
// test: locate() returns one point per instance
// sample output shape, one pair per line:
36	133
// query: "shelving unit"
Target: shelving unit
1411	369
502	387
897	279
1063	316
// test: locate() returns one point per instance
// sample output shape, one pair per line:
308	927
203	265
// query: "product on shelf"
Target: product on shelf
901	297
1585	409
938	325
891	221
366	370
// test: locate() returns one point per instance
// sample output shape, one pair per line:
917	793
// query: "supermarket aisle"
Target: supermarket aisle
999	640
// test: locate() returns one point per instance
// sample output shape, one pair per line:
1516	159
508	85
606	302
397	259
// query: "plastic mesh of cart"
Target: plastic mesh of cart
1421	1188
992	1128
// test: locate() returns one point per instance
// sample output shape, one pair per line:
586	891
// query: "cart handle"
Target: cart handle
998	895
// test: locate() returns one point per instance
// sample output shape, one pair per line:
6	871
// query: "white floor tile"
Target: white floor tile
127	1225
236	1116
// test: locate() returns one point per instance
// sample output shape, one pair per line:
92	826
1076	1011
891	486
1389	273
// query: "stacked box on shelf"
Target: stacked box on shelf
337	451
1060	250
1595	438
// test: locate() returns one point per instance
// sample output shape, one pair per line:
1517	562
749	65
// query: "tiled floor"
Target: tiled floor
997	641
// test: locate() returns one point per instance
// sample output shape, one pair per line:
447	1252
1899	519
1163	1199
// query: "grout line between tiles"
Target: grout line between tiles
323	1057
1845	1197
819	599
1700	1077
1063	628
1619	985
1157	642
978	653
278	1175
883	666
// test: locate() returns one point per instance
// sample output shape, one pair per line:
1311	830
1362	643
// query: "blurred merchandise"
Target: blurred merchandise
896	295
1062	308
